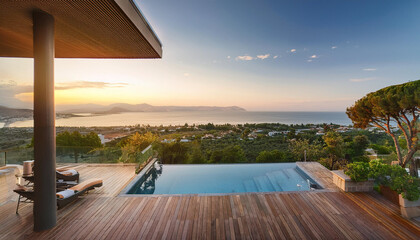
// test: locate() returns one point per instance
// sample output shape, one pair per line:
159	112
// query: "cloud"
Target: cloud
18	95
8	91
275	57
311	58
293	50
88	84
369	69
333	47
361	79
228	57
244	58
7	83
262	57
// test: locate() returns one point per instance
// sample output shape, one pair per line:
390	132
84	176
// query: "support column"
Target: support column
45	203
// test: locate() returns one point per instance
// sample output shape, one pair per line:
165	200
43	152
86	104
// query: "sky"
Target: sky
300	55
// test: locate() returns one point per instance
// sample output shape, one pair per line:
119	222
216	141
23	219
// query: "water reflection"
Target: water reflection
149	184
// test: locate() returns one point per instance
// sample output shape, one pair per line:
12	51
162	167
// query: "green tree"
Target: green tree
271	157
381	149
133	146
297	148
245	133
291	134
360	143
172	153
195	156
357	149
216	156
233	154
77	143
334	149
399	105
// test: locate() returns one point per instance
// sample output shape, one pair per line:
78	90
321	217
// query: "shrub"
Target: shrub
404	184
394	177
379	171
132	146
358	171
361	159
381	149
271	157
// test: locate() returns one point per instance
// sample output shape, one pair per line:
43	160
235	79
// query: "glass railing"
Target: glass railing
3	156
73	155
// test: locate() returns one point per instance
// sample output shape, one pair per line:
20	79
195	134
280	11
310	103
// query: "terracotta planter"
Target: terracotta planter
390	194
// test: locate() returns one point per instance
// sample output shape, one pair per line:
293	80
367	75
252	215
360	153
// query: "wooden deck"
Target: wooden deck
299	215
319	173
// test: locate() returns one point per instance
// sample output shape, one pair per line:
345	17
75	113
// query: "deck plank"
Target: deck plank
103	214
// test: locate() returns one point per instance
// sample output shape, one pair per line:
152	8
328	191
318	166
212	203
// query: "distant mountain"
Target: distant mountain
144	107
8	113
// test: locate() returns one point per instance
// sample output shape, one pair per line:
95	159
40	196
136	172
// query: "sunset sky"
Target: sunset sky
260	55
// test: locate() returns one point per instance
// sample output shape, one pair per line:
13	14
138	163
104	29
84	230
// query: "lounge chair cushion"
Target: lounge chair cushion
65	194
21	188
62	169
70	172
86	184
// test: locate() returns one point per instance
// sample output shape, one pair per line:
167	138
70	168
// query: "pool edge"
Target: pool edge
145	170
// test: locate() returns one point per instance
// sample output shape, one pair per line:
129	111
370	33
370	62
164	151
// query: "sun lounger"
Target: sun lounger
64	197
69	195
66	174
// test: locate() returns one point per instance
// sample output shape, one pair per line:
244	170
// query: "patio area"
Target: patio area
102	214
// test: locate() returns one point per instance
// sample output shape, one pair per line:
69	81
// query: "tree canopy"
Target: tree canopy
397	105
271	157
75	139
132	147
334	149
77	143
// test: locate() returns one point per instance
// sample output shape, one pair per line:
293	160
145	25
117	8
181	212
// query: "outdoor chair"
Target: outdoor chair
66	174
64	197
63	174
69	195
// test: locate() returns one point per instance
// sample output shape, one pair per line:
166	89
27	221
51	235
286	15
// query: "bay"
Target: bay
197	117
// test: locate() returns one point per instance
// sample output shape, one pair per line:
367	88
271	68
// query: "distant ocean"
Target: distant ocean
197	117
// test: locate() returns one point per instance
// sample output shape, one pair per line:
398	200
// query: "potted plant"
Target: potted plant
382	174
397	186
355	178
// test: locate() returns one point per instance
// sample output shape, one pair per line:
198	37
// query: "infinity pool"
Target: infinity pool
221	178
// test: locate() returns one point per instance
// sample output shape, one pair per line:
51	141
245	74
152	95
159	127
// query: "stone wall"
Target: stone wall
346	184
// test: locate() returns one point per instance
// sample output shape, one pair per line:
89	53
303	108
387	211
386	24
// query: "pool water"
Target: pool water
222	178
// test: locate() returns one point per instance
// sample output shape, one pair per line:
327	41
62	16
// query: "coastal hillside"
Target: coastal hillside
10	115
6	113
144	107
